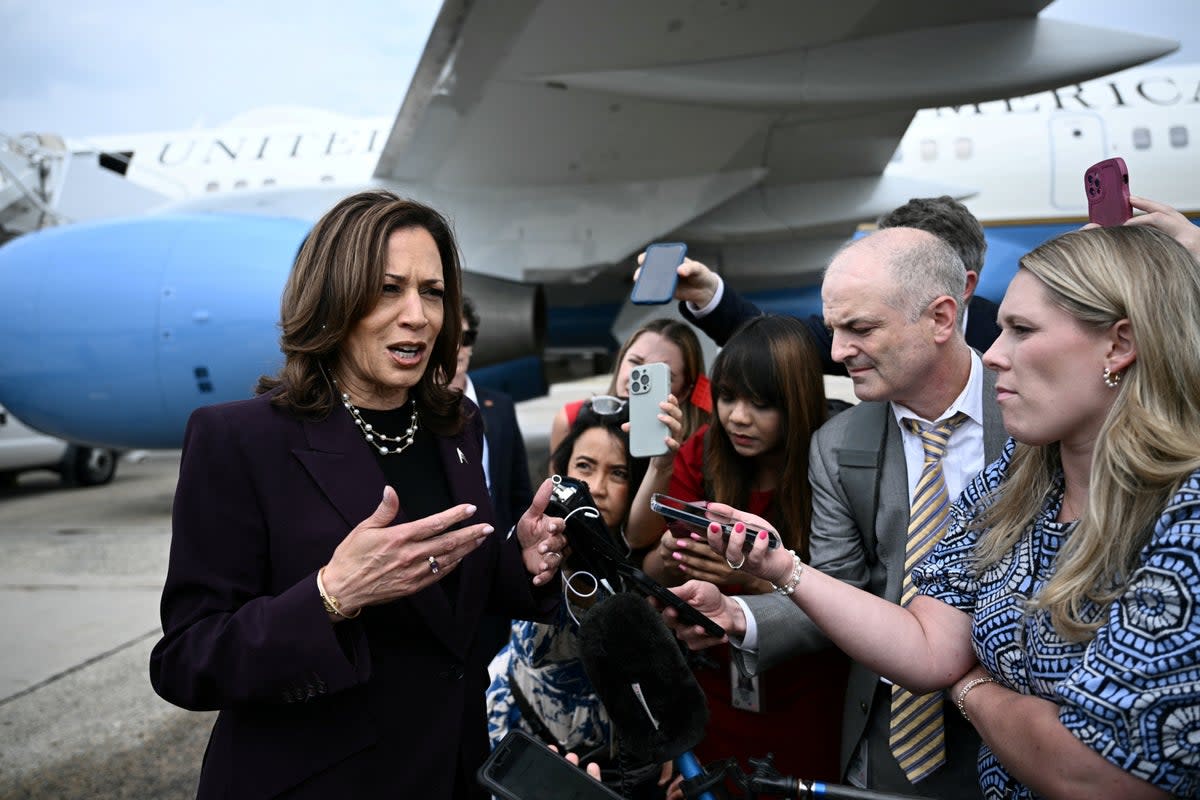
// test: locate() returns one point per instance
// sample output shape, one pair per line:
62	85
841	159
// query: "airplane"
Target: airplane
561	137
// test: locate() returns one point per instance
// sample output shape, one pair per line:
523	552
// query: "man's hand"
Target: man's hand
708	600
697	283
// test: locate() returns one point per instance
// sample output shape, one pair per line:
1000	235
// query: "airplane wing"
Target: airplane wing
564	135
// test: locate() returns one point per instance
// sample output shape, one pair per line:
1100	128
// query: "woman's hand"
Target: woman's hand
541	537
1169	221
772	565
671	415
695	559
378	562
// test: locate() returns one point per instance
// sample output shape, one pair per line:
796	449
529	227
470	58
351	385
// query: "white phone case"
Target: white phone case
649	385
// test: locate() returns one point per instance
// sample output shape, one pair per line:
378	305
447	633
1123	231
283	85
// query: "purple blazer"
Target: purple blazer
390	703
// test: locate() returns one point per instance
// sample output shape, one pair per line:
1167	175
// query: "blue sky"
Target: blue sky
96	67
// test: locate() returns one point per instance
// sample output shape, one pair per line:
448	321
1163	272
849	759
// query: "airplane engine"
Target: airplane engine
111	333
513	321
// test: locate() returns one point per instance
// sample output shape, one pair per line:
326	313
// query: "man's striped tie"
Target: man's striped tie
917	734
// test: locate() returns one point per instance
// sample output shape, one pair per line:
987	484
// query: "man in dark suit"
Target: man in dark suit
703	295
890	300
506	468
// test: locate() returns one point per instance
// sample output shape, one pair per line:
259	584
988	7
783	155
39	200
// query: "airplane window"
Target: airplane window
1141	138
928	149
962	147
239	184
212	186
1179	137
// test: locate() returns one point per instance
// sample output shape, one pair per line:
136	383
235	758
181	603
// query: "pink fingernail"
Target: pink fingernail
739	527
677	556
681	542
762	534
714	527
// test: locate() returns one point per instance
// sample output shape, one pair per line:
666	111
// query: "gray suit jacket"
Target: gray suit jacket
868	553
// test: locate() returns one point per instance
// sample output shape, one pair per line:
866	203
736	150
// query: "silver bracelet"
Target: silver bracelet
962	694
794	581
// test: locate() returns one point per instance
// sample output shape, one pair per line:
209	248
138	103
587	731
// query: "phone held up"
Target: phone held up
522	768
1107	186
656	282
649	385
698	518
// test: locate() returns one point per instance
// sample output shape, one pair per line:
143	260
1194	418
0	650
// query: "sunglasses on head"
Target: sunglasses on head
607	405
469	336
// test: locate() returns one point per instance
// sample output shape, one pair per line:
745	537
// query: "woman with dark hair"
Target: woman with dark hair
768	398
538	681
333	546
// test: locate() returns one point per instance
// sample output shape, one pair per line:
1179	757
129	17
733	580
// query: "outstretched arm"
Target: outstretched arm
924	646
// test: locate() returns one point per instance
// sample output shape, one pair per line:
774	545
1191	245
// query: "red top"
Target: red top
800	720
572	410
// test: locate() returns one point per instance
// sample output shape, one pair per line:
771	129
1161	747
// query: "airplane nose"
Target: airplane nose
113	332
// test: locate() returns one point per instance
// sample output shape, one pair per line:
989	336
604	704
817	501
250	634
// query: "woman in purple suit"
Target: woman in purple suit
333	548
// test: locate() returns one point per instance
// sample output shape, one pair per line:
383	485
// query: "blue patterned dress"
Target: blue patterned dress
1132	693
543	660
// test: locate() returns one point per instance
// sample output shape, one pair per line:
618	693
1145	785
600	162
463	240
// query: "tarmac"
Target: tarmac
80	585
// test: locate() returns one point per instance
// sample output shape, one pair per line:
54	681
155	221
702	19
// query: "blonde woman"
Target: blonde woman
1061	610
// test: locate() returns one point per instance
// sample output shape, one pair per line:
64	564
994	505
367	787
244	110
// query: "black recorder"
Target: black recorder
594	550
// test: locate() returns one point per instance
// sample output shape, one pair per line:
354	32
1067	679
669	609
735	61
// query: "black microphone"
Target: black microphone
639	674
658	709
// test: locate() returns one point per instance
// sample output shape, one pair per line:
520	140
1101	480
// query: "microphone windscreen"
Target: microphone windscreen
640	675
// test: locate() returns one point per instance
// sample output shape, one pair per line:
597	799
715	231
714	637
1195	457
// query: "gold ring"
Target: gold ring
433	566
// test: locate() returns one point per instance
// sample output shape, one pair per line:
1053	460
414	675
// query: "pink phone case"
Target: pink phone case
1107	186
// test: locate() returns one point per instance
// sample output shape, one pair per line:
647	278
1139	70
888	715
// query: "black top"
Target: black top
416	474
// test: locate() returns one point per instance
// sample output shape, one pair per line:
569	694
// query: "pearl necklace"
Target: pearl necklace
369	432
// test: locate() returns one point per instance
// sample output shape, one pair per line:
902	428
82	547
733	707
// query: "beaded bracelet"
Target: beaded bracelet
962	694
794	580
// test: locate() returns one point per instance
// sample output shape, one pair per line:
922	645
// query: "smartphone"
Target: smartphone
522	768
649	385
698	518
1107	186
656	282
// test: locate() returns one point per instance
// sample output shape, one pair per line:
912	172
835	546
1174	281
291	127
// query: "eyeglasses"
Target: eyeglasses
469	336
606	405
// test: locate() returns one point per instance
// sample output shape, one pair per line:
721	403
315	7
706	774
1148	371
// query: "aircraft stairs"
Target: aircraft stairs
32	167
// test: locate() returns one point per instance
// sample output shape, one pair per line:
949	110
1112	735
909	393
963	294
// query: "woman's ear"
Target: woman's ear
1122	349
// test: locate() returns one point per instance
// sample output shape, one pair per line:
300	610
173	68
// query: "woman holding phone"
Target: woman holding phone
769	396
667	340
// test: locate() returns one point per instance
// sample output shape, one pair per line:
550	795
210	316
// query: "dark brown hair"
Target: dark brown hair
772	361
336	281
